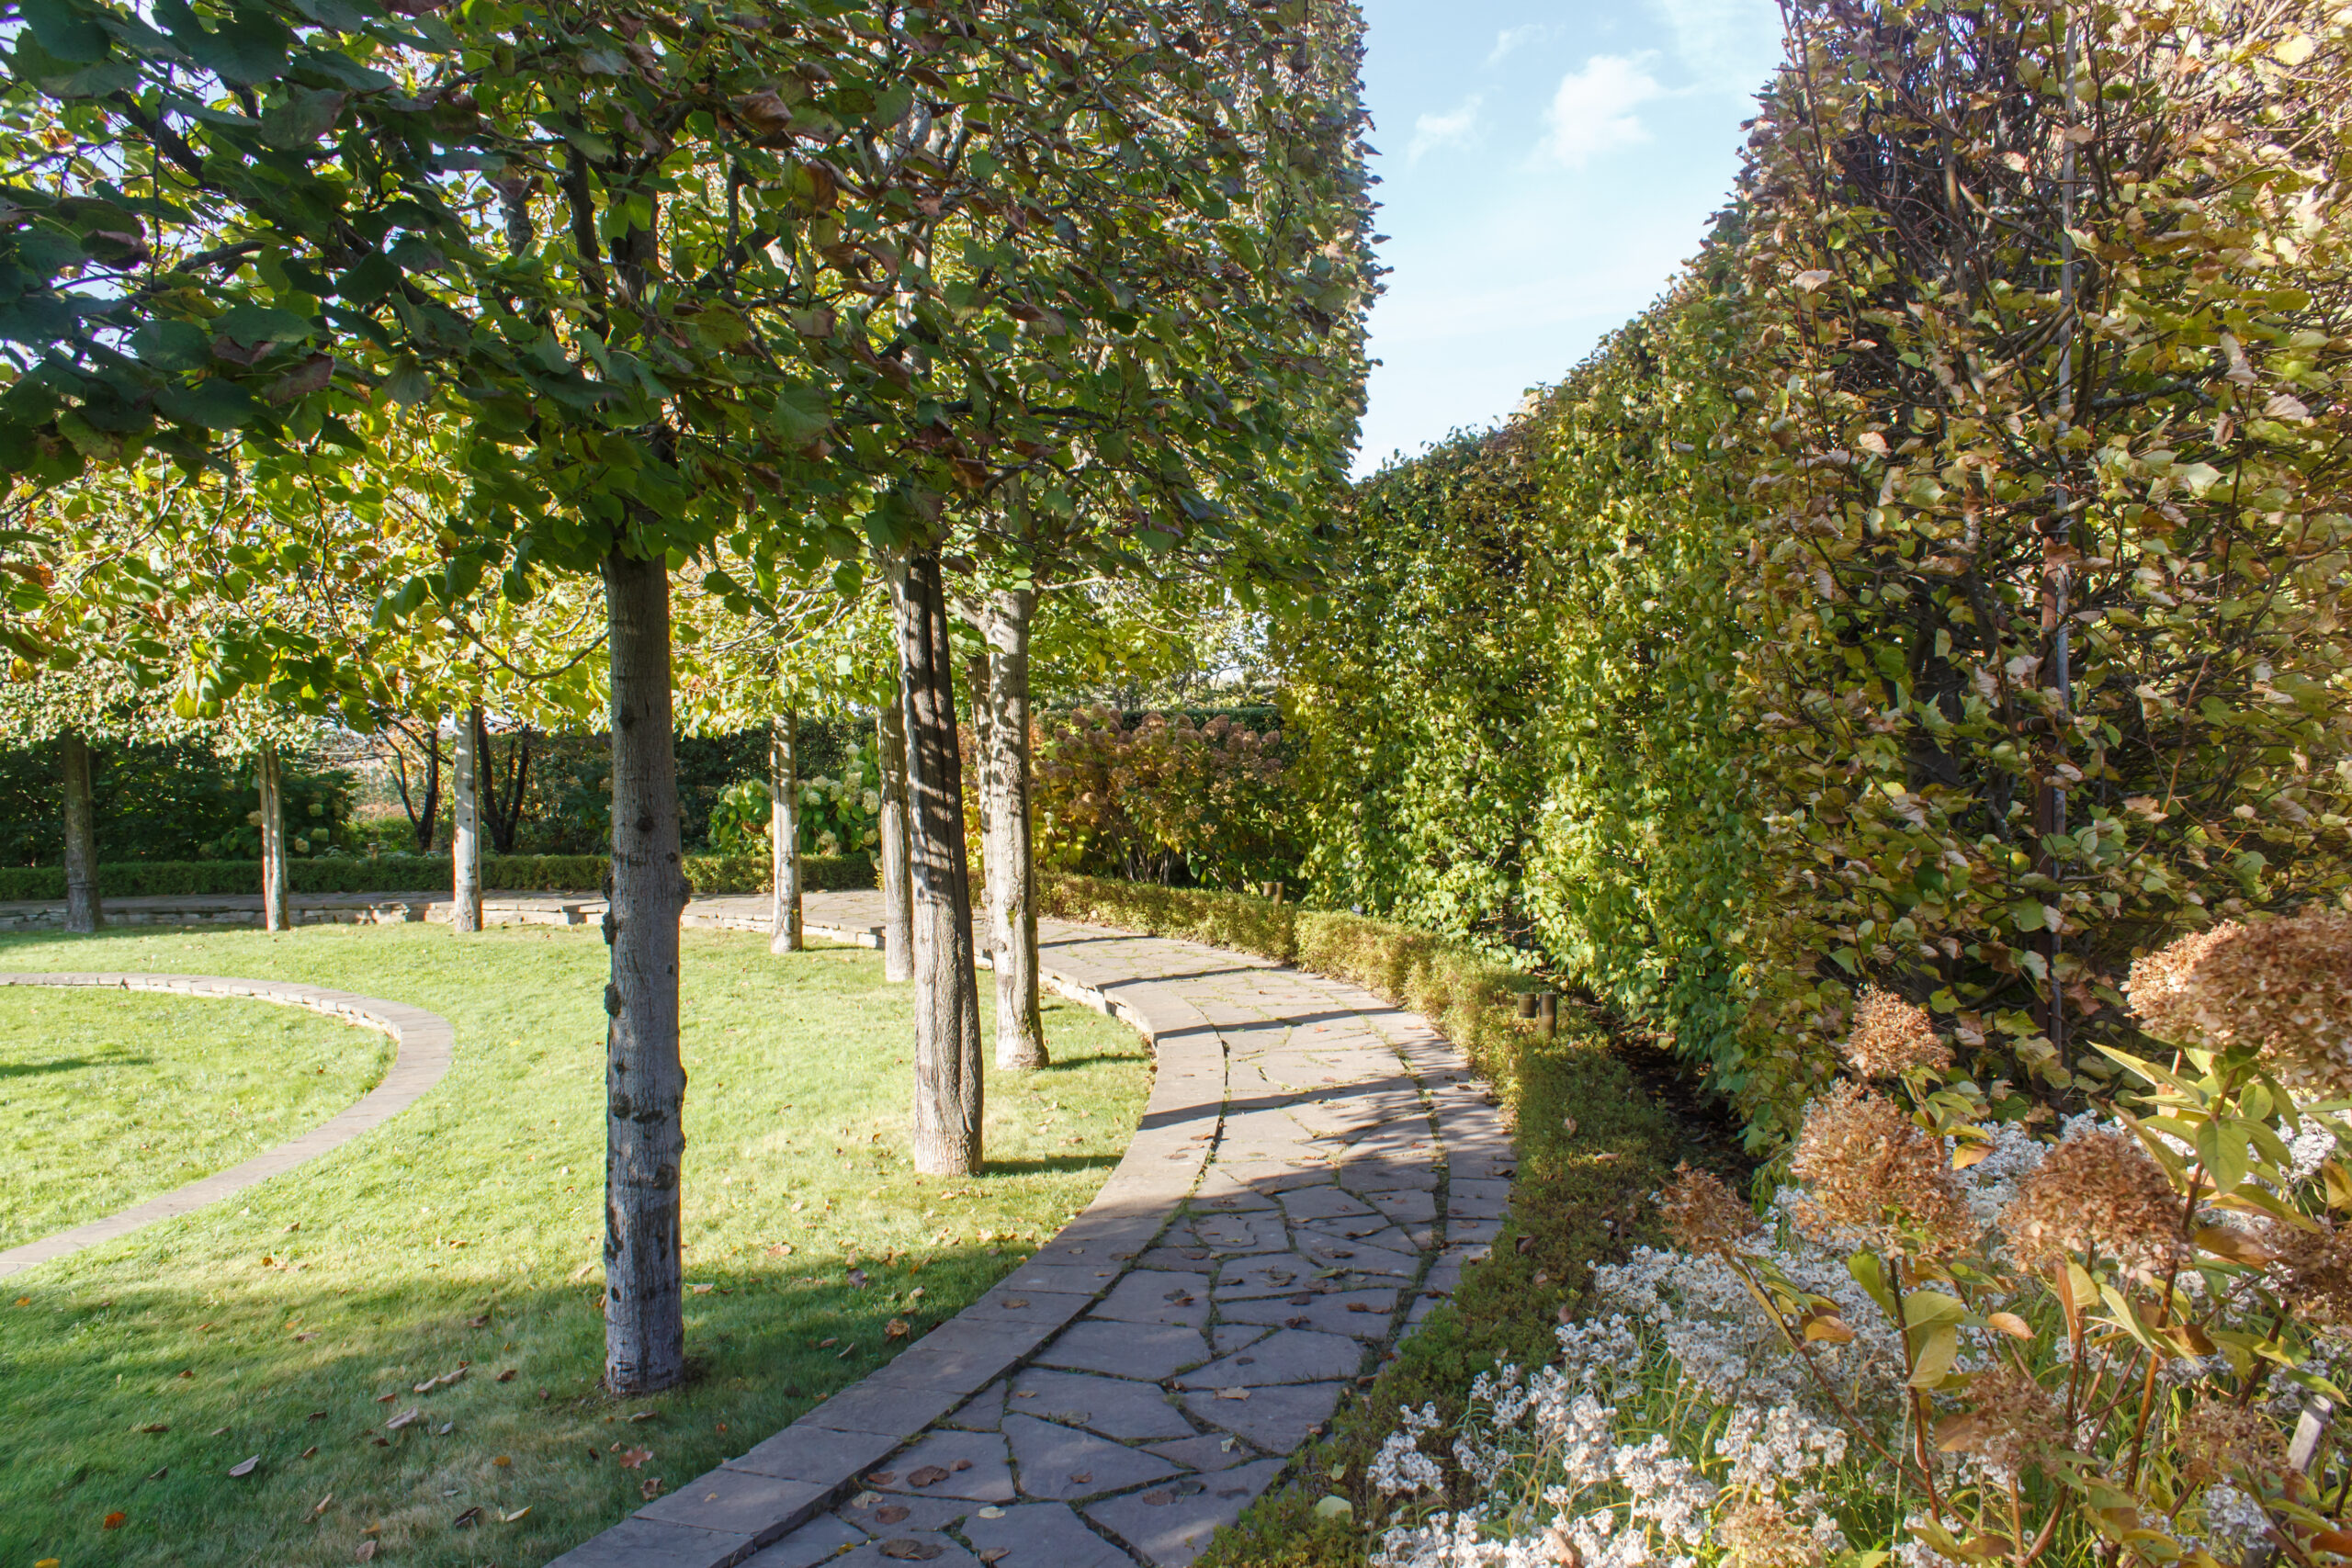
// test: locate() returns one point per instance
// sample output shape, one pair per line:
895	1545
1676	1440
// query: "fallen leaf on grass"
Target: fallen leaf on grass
406	1417
503	1461
701	1289
510	1518
444	1380
447	1427
156	1426
381	1399
650	1490
466	1518
318	1415
506	1376
306	1336
367	1552
895	1329
309	1452
857	1280
322	1506
645	1416
905	1549
114	1521
187	1372
244	1467
635	1458
482	1322
160	1472
218	1432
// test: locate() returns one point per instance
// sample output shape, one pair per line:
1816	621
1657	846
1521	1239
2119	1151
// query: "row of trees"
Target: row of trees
1943	587
368	361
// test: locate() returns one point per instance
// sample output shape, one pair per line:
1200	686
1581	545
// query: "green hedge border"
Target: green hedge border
416	874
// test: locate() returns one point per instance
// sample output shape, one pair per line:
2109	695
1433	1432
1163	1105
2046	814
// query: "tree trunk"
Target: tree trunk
1010	857
898	896
645	1083
947	1004
277	911
424	822
784	831
82	911
465	839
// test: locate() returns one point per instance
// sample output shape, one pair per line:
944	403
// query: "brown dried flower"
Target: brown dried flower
1701	1214
1758	1533
2012	1421
1891	1037
2100	1192
2312	1268
1867	1168
2218	1439
2284	986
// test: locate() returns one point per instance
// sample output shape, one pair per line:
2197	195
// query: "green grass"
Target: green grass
291	1322
108	1098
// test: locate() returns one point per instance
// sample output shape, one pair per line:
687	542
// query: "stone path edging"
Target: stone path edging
422	1043
1258	1184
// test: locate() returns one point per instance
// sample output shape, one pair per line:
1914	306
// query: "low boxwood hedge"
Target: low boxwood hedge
416	874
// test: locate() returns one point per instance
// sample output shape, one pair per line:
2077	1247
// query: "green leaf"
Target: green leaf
67	32
251	325
1936	1355
1870	1274
2222	1151
213	403
172	345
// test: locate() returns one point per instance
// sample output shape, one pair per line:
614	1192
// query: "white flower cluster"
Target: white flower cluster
1401	1466
1770	1447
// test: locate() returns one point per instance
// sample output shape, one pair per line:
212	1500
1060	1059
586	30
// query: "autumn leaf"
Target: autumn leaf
406	1417
651	1489
510	1518
367	1552
114	1521
631	1459
466	1518
244	1467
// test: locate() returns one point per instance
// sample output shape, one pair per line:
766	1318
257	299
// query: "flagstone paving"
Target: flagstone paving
1311	1174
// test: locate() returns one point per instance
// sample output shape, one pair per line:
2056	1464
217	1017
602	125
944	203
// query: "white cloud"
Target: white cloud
1592	112
1431	131
1727	45
1511	39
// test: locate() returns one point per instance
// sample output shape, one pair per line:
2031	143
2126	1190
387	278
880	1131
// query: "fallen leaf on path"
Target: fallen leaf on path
961	1465
1082	1478
929	1476
634	1458
1158	1499
1011	1301
996	1554
244	1467
890	1513
991	1512
1233	1393
114	1521
406	1417
882	1478
905	1549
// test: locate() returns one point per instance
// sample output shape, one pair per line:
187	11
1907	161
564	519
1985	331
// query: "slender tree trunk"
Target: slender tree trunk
1012	858
82	911
426	821
898	895
947	1005
465	840
644	1082
277	911
784	830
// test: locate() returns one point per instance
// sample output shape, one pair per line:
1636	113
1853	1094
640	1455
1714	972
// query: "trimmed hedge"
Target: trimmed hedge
413	873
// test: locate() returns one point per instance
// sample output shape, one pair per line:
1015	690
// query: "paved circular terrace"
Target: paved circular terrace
1311	1174
423	1041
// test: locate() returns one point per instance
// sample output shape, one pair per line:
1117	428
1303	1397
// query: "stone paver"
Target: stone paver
1307	1149
423	1042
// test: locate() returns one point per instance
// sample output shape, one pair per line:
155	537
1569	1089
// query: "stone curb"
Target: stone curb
425	1043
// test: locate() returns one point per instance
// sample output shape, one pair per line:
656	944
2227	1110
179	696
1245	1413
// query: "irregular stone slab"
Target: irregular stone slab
1043	1535
1170	1259
1374	1233
760	1506
1147	1295
1358	1256
819	1540
1363	1313
1290	1355
1227	1234
1407	1206
1277	1419
1171	1534
1226	1338
1061	1462
1303	1204
1116	1407
921	1513
875	1553
1208	1450
982	1411
985	1474
1126	1349
652	1543
801	1452
1279	1275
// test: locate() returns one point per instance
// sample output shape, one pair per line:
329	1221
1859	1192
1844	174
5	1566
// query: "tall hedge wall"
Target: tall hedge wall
416	874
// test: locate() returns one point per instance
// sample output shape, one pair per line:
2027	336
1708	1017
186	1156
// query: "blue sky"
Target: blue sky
1544	168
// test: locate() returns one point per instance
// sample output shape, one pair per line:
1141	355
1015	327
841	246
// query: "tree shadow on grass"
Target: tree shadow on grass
1048	1164
68	1064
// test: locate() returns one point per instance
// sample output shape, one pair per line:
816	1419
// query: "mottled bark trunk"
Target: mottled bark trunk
82	910
898	895
465	837
645	1083
947	1004
784	831
277	908
1012	860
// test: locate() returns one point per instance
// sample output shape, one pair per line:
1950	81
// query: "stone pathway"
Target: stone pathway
423	1041
1311	1174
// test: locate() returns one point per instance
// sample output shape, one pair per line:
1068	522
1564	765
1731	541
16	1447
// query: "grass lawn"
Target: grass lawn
293	1323
109	1099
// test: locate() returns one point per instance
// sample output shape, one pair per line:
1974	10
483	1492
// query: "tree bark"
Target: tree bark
644	1082
1004	809
423	822
784	831
82	910
276	910
948	1086
898	895
465	838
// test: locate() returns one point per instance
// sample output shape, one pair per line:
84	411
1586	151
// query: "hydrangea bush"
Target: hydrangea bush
1951	1339
840	814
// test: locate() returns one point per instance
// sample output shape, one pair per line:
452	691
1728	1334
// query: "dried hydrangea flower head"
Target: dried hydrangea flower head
2284	986
1869	1170
1892	1037
1701	1214
1758	1533
2096	1193
2312	1268
2219	1439
2011	1421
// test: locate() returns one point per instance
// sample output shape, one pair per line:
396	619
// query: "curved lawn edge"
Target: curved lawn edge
424	1042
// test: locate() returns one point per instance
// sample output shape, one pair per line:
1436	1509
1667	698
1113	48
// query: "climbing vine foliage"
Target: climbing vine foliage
1943	587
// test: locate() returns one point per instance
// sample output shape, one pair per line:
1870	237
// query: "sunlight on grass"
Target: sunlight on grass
109	1098
295	1321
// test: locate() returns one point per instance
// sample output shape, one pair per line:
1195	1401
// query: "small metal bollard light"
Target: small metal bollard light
1547	1013
1526	1004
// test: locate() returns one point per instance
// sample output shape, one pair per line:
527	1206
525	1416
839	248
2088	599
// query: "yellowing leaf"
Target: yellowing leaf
1813	279
2010	1324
